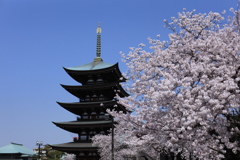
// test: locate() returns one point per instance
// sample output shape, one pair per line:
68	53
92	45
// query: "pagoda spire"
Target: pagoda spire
98	49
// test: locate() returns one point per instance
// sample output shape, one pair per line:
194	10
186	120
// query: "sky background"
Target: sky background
39	37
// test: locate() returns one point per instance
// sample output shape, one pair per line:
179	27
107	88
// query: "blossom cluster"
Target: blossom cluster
182	90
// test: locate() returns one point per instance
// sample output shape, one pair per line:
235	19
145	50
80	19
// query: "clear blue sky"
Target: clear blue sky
39	37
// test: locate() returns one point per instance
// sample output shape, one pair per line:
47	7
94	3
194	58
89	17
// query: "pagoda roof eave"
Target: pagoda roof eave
75	126
87	104
83	123
73	146
122	92
78	107
92	87
91	67
73	72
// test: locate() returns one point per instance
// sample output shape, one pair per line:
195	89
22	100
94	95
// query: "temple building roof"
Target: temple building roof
14	148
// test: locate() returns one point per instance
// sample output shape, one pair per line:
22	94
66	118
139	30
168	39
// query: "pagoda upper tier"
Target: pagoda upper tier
95	72
100	92
79	126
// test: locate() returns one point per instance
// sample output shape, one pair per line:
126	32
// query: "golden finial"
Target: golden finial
99	30
98	52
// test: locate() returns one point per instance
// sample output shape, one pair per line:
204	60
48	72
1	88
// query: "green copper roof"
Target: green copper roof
15	148
91	66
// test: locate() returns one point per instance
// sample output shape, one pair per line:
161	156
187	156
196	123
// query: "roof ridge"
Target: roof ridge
17	144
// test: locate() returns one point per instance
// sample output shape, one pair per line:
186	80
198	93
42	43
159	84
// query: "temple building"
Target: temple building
98	84
16	151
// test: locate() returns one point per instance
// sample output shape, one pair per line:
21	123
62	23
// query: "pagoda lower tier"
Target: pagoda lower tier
82	145
84	151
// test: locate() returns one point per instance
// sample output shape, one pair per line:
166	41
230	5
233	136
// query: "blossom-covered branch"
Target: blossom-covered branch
182	91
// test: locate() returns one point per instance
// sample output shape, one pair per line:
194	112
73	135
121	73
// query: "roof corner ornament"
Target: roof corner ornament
98	51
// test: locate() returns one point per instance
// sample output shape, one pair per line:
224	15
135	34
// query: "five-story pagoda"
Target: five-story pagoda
99	82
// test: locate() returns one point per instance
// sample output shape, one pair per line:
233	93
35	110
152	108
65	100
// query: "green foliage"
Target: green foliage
50	154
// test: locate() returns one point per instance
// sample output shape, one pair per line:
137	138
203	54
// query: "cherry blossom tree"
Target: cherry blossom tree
182	91
121	148
123	144
69	157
